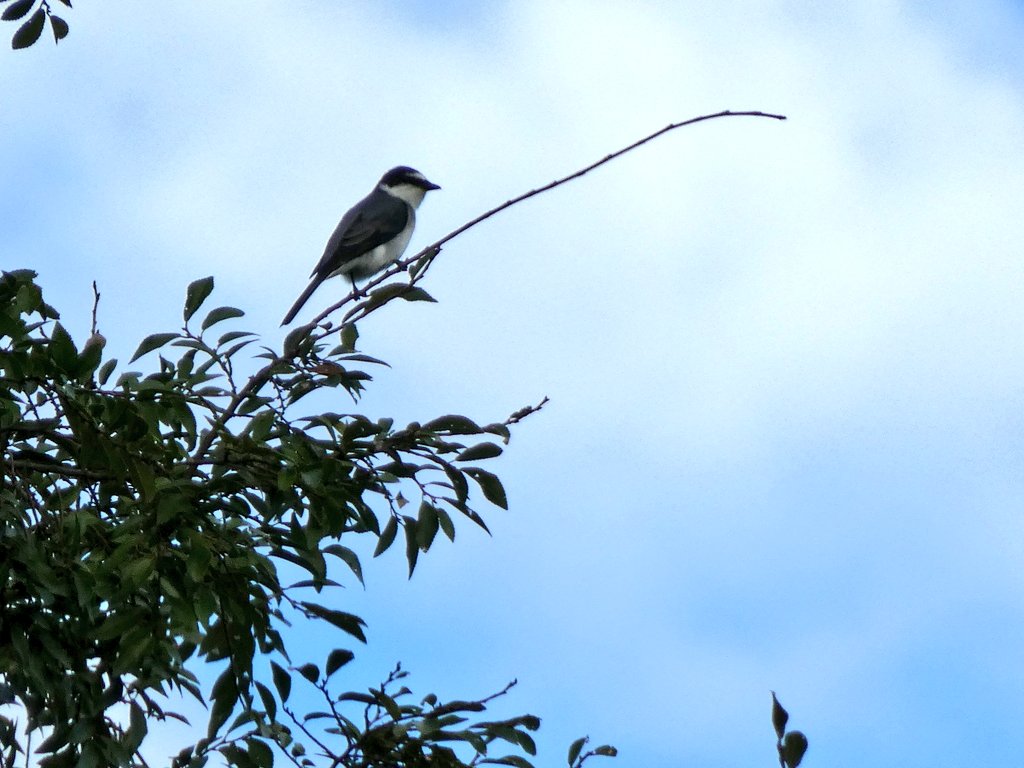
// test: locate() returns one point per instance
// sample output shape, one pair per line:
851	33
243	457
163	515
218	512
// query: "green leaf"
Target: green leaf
105	370
500	430
479	451
347	622
489	483
232	335
221	313
385	293
62	348
282	681
309	671
415	293
269	702
196	294
30	31
59	26
779	717
793	748
575	748
137	728
606	750
453	424
387	536
528	744
295	340
151	342
362	698
426	525
223	696
445	521
116	624
349	336
513	760
412	544
338	658
350	558
17	9
261	755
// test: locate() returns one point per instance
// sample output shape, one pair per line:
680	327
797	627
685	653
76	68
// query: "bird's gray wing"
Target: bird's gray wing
373	221
360	230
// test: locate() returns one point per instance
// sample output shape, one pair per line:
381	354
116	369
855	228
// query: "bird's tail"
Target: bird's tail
299	302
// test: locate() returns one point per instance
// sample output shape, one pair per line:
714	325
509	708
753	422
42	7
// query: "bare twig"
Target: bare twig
427	255
95	305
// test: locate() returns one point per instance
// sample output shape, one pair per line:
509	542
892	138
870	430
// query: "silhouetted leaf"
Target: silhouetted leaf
426	525
489	483
387	536
269	702
453	424
415	293
59	26
196	294
62	349
309	671
479	451
105	370
224	695
793	747
338	658
137	728
151	342
779	717
349	336
350	558
259	753
346	622
282	681
412	544
17	9
221	313
575	748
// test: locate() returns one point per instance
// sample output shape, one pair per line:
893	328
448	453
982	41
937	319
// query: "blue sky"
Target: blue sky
783	449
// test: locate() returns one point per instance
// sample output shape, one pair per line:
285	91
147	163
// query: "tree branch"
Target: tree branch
427	255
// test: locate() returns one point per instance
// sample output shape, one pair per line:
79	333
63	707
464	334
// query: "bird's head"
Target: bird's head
406	184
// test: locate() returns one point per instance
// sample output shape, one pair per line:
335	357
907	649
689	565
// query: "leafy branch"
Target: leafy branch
32	28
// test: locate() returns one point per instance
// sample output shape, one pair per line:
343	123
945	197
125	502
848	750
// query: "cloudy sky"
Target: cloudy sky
785	441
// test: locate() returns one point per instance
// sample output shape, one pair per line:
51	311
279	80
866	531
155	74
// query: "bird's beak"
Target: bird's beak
431	185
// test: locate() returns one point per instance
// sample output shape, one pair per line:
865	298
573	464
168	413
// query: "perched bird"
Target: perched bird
373	234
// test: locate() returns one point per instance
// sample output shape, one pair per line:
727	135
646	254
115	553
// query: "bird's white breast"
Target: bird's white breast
383	255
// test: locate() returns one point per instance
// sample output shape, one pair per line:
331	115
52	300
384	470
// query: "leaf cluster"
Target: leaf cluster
387	726
155	522
30	30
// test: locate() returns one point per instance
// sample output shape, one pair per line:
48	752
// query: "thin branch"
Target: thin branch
57	468
95	306
522	413
428	254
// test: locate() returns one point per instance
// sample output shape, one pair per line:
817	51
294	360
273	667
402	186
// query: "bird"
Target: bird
372	234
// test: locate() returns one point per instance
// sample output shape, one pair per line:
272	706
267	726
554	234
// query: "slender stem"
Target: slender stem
428	253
